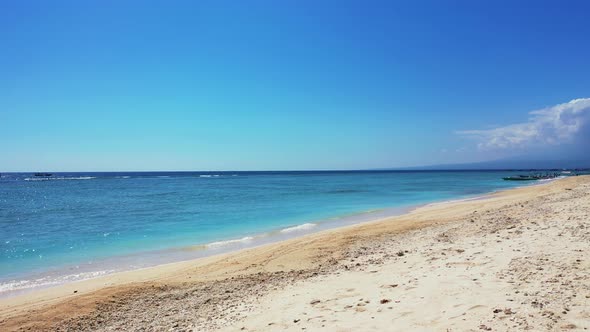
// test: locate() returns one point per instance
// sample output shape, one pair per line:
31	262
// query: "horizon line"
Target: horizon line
410	169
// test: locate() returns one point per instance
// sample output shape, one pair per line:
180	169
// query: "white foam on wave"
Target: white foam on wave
243	240
552	179
60	178
209	175
541	182
302	227
18	285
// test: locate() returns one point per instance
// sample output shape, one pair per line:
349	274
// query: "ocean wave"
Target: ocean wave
552	179
245	239
60	178
216	175
302	227
17	285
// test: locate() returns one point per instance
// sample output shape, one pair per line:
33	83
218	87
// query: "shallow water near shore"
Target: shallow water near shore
75	226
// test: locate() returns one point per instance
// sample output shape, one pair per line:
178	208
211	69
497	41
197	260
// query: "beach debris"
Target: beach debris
484	327
314	302
383	301
296	320
389	286
400	253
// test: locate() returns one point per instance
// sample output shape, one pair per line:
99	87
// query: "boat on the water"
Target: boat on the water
43	174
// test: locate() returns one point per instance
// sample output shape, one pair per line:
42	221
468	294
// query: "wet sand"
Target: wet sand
516	260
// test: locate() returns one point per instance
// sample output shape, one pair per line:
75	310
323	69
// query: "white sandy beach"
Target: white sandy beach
516	260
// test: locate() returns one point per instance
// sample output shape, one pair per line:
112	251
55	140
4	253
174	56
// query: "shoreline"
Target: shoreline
155	258
314	253
83	271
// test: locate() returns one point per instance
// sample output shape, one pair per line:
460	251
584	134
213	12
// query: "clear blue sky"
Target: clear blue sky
242	85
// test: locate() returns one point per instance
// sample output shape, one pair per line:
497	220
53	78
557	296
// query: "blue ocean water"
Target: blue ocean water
76	225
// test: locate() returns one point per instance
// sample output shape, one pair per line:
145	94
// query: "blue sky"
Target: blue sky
259	85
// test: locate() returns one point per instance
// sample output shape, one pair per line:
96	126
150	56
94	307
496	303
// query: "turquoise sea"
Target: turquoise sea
73	226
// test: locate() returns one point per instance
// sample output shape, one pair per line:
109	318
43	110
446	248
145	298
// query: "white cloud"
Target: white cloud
553	125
